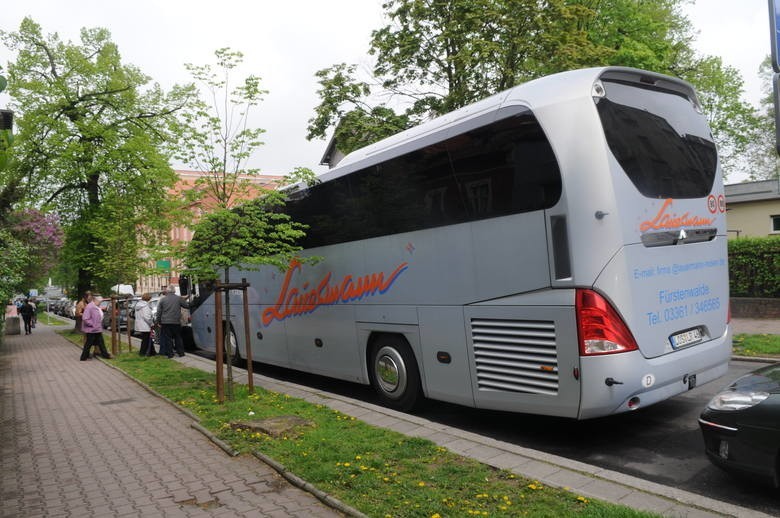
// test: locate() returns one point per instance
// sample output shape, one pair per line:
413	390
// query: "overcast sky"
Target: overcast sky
286	42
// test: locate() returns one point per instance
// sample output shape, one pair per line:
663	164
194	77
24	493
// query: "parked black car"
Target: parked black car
741	426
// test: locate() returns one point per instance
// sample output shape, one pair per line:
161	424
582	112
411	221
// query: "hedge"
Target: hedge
754	267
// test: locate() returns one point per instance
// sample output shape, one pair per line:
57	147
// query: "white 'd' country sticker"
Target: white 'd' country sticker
648	380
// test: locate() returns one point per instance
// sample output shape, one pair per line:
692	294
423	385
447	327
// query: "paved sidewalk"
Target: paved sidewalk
769	326
80	439
176	472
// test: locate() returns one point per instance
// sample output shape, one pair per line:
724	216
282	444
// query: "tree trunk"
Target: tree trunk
226	337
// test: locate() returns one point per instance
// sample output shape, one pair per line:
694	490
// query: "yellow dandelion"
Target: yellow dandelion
421	484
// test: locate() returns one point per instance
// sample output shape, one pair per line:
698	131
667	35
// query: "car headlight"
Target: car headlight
737	399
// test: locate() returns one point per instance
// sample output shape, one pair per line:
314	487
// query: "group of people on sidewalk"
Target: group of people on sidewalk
89	319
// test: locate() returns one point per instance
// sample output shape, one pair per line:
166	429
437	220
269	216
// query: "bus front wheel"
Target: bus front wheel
394	373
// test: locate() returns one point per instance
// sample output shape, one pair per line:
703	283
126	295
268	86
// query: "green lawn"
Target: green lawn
53	320
379	472
757	345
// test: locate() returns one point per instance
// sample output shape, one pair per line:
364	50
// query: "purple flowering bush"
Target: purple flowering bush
42	234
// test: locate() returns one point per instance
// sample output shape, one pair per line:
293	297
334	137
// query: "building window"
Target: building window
775	224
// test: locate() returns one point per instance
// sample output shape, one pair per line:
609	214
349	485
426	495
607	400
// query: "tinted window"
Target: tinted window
504	168
661	142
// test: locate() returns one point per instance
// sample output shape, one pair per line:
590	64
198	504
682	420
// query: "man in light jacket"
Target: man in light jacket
143	325
92	325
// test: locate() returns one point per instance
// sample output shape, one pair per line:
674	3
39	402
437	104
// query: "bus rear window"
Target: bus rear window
662	143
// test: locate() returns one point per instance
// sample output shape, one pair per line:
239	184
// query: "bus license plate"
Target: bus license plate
689	337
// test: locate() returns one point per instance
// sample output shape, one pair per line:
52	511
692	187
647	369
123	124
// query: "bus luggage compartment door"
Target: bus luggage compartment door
524	358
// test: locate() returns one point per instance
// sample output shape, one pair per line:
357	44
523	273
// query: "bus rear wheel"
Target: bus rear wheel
235	359
394	373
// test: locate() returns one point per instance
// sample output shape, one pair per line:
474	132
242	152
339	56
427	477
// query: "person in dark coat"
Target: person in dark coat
27	311
169	317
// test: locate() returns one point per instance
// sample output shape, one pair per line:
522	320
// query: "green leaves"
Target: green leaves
90	145
14	265
256	233
251	235
434	56
214	134
754	264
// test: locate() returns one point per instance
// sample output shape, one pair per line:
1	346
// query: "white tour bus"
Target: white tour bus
558	248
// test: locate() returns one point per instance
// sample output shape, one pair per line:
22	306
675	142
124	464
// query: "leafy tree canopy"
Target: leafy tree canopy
434	56
13	266
255	233
215	136
89	146
760	161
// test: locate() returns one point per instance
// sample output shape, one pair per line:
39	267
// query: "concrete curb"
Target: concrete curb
297	481
293	479
552	470
216	440
756	359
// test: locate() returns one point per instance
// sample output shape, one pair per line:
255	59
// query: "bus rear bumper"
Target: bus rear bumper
623	382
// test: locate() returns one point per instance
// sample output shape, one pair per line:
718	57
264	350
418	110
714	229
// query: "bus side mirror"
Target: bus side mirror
184	286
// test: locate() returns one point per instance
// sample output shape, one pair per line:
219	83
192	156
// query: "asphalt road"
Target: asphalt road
661	443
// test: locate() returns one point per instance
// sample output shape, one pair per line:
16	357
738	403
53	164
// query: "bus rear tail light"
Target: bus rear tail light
600	328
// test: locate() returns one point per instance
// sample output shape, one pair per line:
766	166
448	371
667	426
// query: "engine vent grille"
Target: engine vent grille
515	356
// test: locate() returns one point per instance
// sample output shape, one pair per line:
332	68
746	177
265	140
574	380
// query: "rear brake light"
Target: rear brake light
600	328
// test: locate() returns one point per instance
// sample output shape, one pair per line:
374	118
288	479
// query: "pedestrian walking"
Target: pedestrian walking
79	312
92	325
143	325
169	317
27	311
34	305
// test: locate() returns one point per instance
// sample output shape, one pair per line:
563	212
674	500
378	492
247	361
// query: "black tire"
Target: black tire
235	360
394	373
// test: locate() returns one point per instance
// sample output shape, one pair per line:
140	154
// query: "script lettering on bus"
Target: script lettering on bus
293	301
670	220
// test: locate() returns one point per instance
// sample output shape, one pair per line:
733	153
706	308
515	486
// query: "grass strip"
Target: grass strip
757	345
380	472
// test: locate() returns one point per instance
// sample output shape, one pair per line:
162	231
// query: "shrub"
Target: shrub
754	266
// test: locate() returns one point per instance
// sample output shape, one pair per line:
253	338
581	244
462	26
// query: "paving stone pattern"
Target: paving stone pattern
80	439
